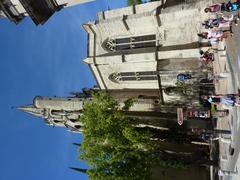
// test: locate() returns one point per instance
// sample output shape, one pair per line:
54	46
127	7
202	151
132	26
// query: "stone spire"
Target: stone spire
57	111
31	110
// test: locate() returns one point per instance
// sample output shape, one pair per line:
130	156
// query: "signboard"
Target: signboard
203	114
183	77
185	114
180	116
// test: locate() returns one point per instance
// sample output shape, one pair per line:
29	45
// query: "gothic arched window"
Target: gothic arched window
130	43
110	45
133	76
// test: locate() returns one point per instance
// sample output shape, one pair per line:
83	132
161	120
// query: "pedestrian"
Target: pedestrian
206	56
230	7
228	100
211	23
230	19
219	7
215	8
221	22
215	35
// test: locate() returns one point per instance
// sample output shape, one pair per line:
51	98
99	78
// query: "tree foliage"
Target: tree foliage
111	145
115	148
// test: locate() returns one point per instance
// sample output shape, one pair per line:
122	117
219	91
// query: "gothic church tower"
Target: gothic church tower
57	111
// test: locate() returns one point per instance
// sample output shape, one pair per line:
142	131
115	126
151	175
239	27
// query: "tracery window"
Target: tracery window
131	42
134	76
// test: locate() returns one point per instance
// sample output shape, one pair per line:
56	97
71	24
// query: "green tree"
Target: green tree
111	145
116	149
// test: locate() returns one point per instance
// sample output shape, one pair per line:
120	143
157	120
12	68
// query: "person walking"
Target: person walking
215	35
221	22
230	7
206	56
215	8
228	100
220	7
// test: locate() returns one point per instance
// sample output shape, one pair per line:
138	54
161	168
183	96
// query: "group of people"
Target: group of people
227	100
216	28
229	7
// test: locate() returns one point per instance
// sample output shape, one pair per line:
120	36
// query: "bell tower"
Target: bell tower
58	111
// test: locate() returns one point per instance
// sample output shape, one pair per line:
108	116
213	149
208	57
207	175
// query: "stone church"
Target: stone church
138	52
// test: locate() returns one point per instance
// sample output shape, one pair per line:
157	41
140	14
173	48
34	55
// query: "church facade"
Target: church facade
142	49
141	52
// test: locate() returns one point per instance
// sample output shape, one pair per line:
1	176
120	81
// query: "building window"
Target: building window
134	76
130	43
110	45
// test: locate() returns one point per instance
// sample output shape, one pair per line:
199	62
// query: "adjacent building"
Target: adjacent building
38	10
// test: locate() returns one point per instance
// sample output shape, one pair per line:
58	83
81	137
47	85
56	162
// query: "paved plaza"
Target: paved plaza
227	64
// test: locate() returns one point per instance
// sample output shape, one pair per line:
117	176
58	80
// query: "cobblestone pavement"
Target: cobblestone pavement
228	63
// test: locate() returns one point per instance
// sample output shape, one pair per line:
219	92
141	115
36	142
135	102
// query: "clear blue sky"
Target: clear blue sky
43	60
